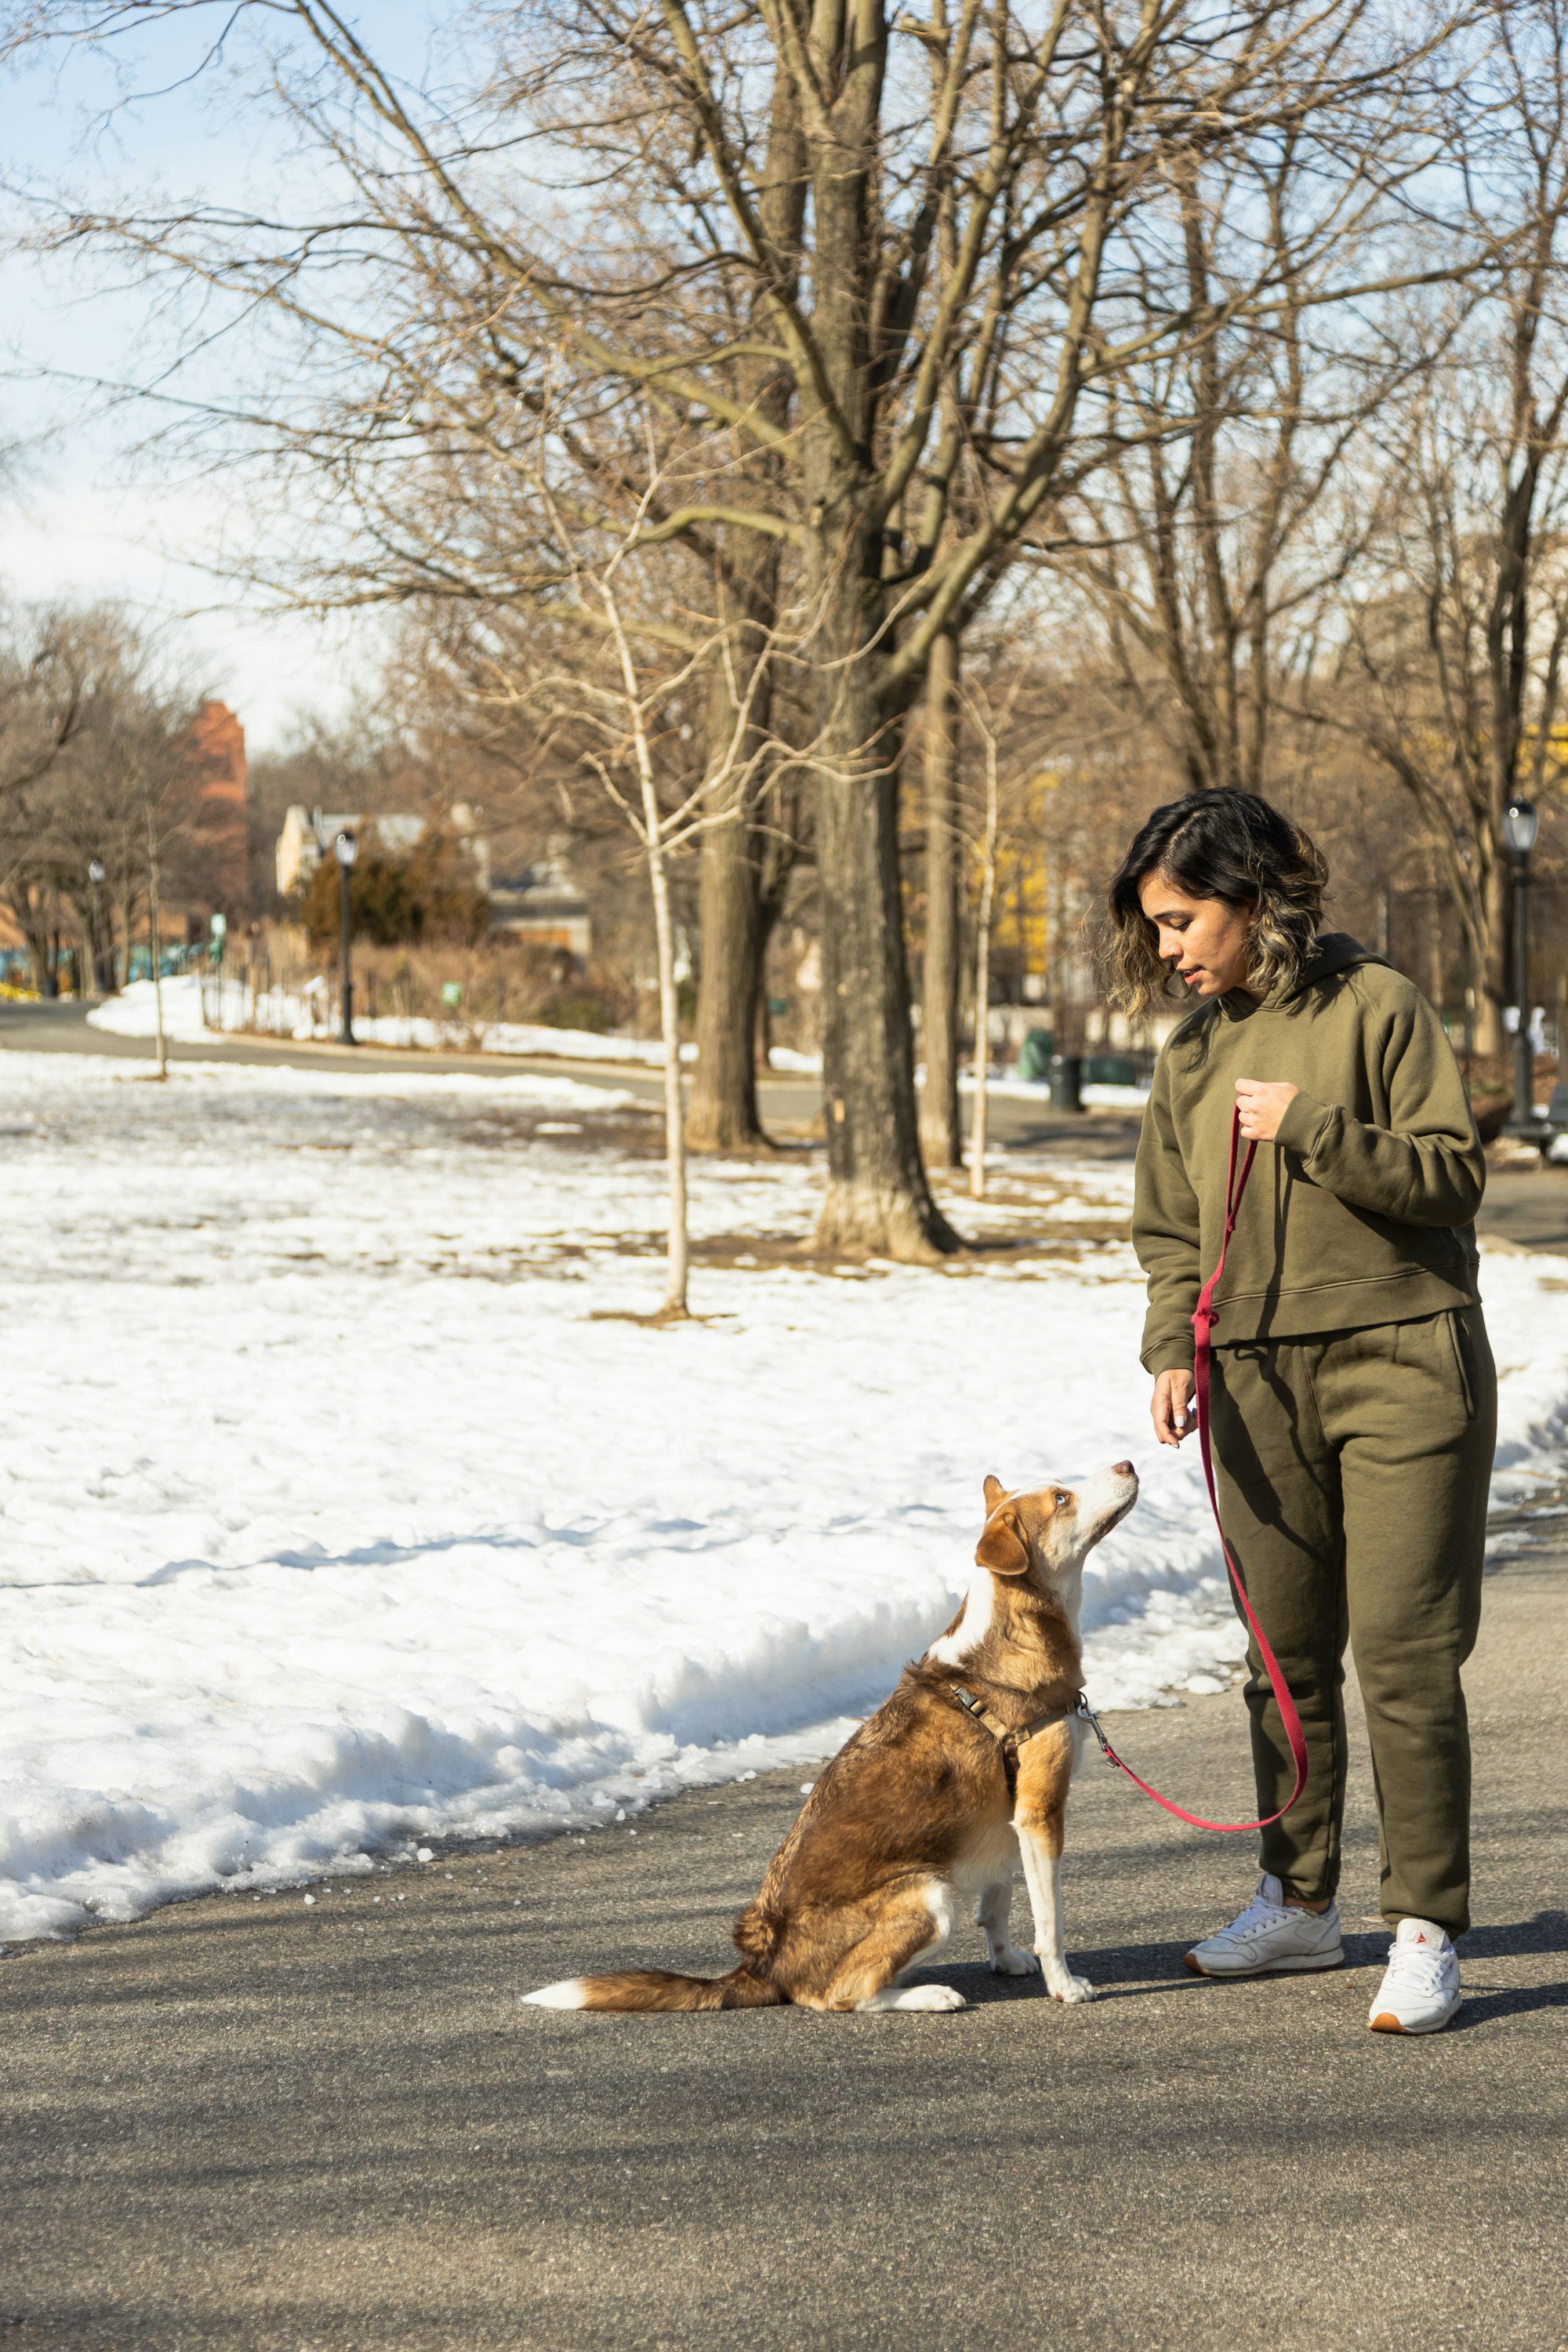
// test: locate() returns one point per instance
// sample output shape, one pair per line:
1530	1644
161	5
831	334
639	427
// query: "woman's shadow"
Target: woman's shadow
1547	1932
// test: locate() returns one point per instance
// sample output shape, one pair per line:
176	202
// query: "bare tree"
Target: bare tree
1019	140
599	662
1455	634
88	711
742	870
41	687
1225	516
983	960
943	857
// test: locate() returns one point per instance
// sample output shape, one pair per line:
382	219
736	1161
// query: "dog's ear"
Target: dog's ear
995	1490
1001	1548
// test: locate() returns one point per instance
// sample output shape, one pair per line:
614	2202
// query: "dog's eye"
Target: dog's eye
1061	1498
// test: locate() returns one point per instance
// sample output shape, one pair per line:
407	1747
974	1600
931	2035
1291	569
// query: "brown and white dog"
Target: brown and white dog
924	1805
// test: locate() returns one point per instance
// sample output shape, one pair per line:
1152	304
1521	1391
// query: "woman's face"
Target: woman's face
1207	942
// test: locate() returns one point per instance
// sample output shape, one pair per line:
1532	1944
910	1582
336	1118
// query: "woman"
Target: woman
1354	1398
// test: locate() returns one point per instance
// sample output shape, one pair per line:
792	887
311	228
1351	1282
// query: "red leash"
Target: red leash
1205	1318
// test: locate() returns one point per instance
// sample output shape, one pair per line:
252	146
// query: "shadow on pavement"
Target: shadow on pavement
1127	1971
1547	1932
1483	2008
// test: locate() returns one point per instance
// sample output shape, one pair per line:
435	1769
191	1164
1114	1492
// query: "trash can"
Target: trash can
1035	1054
1067	1081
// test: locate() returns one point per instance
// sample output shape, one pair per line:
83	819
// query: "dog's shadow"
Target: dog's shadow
1133	1971
1125	1972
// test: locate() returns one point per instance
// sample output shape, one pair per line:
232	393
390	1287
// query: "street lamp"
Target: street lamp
345	849
95	875
1520	823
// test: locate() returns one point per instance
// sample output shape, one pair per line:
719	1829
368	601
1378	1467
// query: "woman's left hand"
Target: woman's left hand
1262	1106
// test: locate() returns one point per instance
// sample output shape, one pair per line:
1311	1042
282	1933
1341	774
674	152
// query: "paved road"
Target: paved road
262	2126
1527	1207
787	1103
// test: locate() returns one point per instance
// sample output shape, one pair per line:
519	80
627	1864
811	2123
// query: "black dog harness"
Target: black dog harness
1006	1738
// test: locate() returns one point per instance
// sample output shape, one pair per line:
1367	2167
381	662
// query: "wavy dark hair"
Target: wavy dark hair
1217	845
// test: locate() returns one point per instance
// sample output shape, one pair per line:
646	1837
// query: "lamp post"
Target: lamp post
345	849
95	876
1520	823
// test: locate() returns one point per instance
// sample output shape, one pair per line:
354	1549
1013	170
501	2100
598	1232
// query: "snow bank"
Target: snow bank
341	1505
515	1037
134	1012
194	1008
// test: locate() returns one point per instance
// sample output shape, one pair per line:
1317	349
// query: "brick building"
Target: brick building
220	778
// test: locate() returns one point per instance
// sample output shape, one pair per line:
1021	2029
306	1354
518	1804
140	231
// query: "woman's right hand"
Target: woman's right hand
1171	1408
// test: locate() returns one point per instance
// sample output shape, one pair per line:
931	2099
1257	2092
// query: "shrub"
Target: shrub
424	896
576	1009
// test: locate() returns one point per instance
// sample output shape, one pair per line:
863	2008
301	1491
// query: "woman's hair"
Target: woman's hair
1218	845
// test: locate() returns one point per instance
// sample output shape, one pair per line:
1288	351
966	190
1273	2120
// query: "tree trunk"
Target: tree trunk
939	1131
674	1309
155	941
1492	990
983	981
34	929
768	913
677	1255
878	1199
722	1115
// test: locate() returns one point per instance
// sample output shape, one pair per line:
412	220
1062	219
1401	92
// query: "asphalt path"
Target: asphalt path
268	2125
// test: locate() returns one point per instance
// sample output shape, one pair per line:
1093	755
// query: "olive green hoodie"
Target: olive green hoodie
1360	1211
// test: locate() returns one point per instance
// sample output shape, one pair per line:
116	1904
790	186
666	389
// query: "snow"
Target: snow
194	1008
1094	1096
344	1505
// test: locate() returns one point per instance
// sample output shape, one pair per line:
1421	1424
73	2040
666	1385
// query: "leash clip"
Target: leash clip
1087	1715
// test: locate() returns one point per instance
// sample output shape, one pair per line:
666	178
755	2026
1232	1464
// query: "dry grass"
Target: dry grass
500	980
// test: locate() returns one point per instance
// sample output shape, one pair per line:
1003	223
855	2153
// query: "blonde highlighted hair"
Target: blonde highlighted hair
1219	844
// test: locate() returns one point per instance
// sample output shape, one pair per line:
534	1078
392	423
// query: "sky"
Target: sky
86	511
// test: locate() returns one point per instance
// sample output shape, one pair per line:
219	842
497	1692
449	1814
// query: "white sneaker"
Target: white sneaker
1271	1937
1420	1989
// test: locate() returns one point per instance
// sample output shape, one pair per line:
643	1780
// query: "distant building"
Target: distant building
541	905
214	746
307	836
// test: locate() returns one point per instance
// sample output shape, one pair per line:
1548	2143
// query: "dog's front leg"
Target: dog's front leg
991	1910
1042	1852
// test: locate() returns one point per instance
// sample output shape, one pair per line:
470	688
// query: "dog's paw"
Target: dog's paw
930	1996
1065	1986
1010	1963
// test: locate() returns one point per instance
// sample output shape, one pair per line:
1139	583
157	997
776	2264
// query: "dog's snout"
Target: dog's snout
1122	1469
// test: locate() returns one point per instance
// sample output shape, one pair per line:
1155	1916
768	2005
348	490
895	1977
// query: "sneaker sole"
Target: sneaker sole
1385	2022
1297	1967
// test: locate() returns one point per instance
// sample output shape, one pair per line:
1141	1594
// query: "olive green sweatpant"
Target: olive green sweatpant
1353	1470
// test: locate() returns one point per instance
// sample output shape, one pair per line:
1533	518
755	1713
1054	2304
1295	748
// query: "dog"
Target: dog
933	1801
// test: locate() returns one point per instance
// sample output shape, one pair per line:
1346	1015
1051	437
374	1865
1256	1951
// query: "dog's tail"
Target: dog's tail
651	1989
